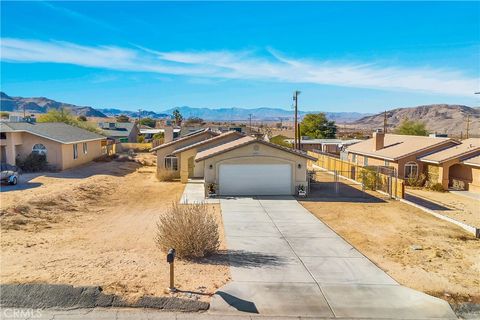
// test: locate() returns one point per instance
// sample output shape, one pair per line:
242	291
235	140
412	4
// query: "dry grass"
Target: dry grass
190	229
166	175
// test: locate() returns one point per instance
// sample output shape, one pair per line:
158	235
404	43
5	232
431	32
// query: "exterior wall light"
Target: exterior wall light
210	166
299	166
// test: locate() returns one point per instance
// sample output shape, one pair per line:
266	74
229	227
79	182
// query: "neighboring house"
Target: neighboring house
120	131
451	167
474	164
401	152
148	133
65	146
186	154
166	160
333	146
248	166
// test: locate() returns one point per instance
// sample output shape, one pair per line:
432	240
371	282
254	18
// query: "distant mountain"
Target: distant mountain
42	105
263	113
134	114
441	118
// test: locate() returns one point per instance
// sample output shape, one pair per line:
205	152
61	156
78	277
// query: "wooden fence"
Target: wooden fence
376	178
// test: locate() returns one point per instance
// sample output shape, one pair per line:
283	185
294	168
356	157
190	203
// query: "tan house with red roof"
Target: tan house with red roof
401	152
455	167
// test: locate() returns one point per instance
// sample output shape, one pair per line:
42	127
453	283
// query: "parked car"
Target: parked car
9	174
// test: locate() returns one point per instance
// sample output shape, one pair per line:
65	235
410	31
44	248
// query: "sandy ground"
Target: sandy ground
448	264
95	225
461	208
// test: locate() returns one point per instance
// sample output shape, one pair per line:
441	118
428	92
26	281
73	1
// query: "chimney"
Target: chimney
168	134
378	139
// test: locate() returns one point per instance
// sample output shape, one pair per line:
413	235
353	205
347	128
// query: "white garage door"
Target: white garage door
255	179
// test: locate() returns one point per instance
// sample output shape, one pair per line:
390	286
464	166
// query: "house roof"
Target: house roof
208	153
204	142
326	141
207	130
463	150
475	161
56	131
122	129
398	146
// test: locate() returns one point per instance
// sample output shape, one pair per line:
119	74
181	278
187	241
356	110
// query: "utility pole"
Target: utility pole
139	115
296	145
385	122
250	123
468	126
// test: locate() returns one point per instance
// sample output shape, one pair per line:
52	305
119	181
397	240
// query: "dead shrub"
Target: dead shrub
416	181
166	175
438	187
190	229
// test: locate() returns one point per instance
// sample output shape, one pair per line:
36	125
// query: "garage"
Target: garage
255	179
253	167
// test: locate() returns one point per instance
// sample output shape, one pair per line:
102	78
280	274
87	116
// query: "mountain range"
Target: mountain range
440	118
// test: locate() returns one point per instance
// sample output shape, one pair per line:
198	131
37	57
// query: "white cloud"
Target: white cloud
242	65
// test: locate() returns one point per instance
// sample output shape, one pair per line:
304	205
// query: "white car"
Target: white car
9	174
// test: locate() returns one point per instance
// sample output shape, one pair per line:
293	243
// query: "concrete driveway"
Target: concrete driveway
286	262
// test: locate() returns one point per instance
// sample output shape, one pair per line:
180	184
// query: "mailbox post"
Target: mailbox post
170	260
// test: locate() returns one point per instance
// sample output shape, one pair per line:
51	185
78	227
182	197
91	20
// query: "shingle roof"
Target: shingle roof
184	138
123	129
468	147
398	146
243	142
56	131
475	161
203	142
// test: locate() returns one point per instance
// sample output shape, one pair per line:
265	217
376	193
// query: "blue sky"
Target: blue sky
343	56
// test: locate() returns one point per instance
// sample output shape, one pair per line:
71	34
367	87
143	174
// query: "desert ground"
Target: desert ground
415	248
460	208
95	225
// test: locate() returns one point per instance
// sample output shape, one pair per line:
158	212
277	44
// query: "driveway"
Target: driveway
286	262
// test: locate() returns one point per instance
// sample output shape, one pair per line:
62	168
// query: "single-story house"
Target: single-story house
148	133
402	152
120	131
186	154
65	146
333	146
249	166
474	164
166	160
451	168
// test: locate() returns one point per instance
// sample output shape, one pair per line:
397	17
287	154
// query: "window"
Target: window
387	163
411	170
3	135
365	161
171	163
85	148
75	151
354	158
40	149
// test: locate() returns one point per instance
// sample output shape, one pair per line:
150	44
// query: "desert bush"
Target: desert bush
140	139
368	177
34	162
190	229
436	187
416	181
166	175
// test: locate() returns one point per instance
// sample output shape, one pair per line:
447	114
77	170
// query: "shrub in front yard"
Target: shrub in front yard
166	175
190	229
368	177
436	187
34	162
416	181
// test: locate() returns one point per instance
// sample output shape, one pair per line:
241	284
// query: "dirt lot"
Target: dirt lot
447	264
455	206
95	225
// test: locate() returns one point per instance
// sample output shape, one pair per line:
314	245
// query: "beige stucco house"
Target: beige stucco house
249	166
452	167
401	152
186	155
166	160
65	146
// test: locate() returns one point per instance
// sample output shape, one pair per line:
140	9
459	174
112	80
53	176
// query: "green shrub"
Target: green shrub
140	139
416	181
34	162
368	177
190	229
438	187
